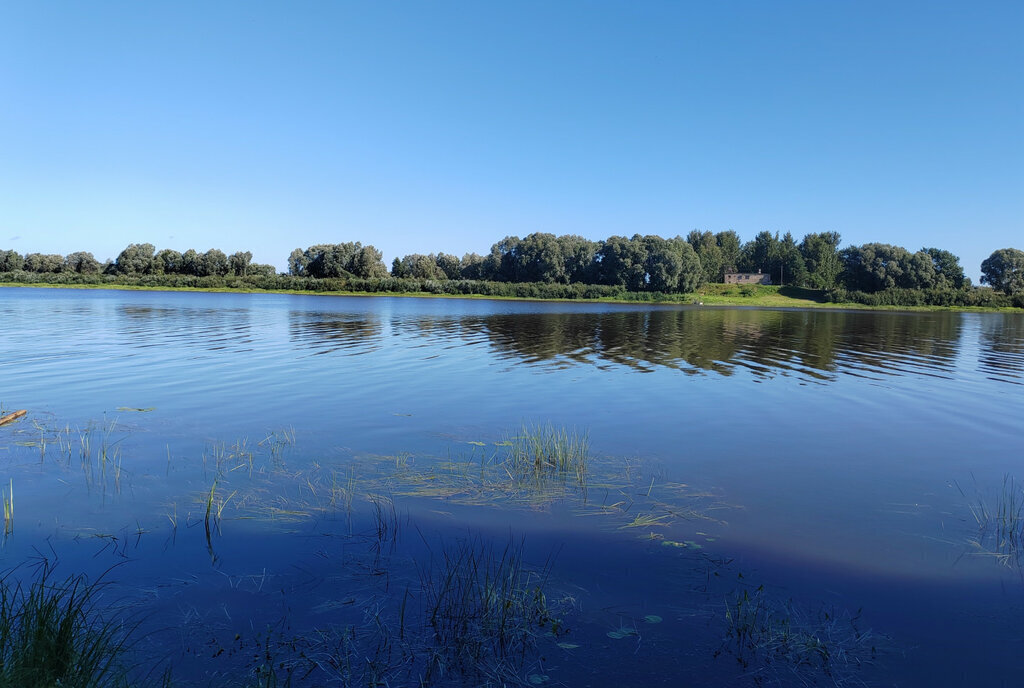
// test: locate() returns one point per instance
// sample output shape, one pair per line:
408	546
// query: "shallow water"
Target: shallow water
828	459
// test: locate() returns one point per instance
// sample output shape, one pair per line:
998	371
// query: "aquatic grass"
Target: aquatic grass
1000	522
483	606
51	634
539	449
771	639
8	498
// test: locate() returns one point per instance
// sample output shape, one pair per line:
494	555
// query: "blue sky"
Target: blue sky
445	126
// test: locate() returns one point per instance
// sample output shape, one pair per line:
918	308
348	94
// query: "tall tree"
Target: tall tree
81	262
948	273
136	259
239	262
168	262
214	263
729	244
11	261
710	254
43	262
761	254
1004	270
790	262
821	256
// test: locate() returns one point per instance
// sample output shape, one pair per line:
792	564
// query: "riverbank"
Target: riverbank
715	295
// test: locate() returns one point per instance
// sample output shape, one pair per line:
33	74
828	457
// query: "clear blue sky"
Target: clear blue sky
445	126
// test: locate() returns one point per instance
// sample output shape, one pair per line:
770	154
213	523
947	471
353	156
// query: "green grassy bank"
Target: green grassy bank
753	296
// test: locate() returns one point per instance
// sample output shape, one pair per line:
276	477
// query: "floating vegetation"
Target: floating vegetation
771	640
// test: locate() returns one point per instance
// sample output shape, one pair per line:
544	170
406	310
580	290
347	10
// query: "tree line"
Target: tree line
137	260
870	273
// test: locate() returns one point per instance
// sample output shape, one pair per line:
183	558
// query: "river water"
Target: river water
773	498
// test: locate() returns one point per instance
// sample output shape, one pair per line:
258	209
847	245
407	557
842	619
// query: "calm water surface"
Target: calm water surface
820	462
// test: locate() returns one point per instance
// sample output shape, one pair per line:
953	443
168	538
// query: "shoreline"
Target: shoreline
772	300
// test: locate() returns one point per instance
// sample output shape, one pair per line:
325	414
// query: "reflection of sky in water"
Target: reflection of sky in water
837	439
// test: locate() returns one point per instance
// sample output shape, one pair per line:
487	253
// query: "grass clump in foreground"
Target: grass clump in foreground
51	634
484	609
777	642
1000	523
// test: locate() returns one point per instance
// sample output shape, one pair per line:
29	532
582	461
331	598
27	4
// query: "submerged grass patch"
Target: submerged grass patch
772	641
483	606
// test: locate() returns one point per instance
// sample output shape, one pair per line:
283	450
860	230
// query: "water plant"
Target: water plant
8	498
540	449
51	633
1000	522
483	606
771	639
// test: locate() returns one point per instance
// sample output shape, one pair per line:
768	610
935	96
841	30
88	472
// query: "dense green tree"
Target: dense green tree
710	254
43	262
82	262
417	266
623	262
538	258
471	267
11	261
239	262
1004	271
262	270
691	272
663	264
729	244
368	263
213	263
948	273
761	254
191	263
820	252
874	267
579	256
136	259
789	263
347	259
450	266
297	263
169	262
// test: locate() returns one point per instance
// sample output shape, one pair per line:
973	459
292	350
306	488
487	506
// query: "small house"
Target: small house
747	278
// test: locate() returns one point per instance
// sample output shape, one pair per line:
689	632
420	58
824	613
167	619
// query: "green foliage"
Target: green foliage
1004	270
874	267
821	258
11	261
43	262
778	640
136	259
337	260
82	262
482	606
52	635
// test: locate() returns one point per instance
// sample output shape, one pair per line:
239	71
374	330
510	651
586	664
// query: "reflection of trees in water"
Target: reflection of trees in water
353	333
1001	350
813	344
211	329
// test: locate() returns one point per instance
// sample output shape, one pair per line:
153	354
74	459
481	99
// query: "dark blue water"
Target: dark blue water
824	462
